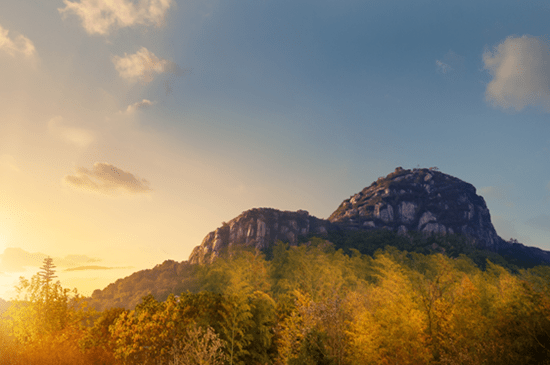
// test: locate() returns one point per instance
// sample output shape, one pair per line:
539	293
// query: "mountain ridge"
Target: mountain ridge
405	202
423	200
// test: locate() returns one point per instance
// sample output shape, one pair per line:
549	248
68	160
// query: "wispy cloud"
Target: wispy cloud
520	67
20	45
139	105
107	179
80	137
142	65
15	259
103	16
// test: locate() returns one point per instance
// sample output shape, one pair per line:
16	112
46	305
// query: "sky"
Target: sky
130	129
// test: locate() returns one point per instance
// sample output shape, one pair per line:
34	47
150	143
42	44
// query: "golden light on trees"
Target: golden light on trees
395	307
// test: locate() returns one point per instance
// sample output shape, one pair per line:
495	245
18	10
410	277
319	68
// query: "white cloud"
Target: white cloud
78	136
105	178
520	67
139	105
18	45
141	65
102	16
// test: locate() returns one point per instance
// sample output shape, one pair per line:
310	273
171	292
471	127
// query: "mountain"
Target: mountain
258	228
417	200
423	200
430	202
406	203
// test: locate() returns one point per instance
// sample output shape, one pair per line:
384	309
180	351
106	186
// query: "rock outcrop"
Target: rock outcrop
259	228
424	200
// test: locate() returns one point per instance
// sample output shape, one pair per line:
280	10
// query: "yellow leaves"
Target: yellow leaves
314	331
46	318
244	272
365	337
415	309
315	269
388	326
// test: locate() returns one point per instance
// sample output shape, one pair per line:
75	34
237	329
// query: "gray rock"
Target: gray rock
434	228
258	228
426	217
387	214
261	230
406	211
419	197
291	237
384	213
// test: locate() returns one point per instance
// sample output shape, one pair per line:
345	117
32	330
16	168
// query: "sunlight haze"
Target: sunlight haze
130	130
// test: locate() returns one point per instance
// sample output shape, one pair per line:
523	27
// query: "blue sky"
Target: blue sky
129	130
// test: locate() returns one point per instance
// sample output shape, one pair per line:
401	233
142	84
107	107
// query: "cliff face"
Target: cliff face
422	200
258	228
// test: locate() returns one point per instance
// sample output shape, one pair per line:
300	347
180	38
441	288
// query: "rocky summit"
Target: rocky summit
421	200
259	228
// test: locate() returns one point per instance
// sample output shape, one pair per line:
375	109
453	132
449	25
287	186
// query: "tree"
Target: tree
389	325
47	272
98	343
42	307
144	335
47	320
314	332
198	346
520	318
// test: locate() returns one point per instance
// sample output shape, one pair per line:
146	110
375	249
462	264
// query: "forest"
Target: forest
320	302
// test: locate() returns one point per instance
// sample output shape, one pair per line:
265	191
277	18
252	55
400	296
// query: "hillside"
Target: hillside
418	210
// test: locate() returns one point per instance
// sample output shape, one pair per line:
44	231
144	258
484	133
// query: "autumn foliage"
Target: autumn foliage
309	304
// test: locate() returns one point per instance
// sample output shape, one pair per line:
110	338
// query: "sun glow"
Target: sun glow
3	241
